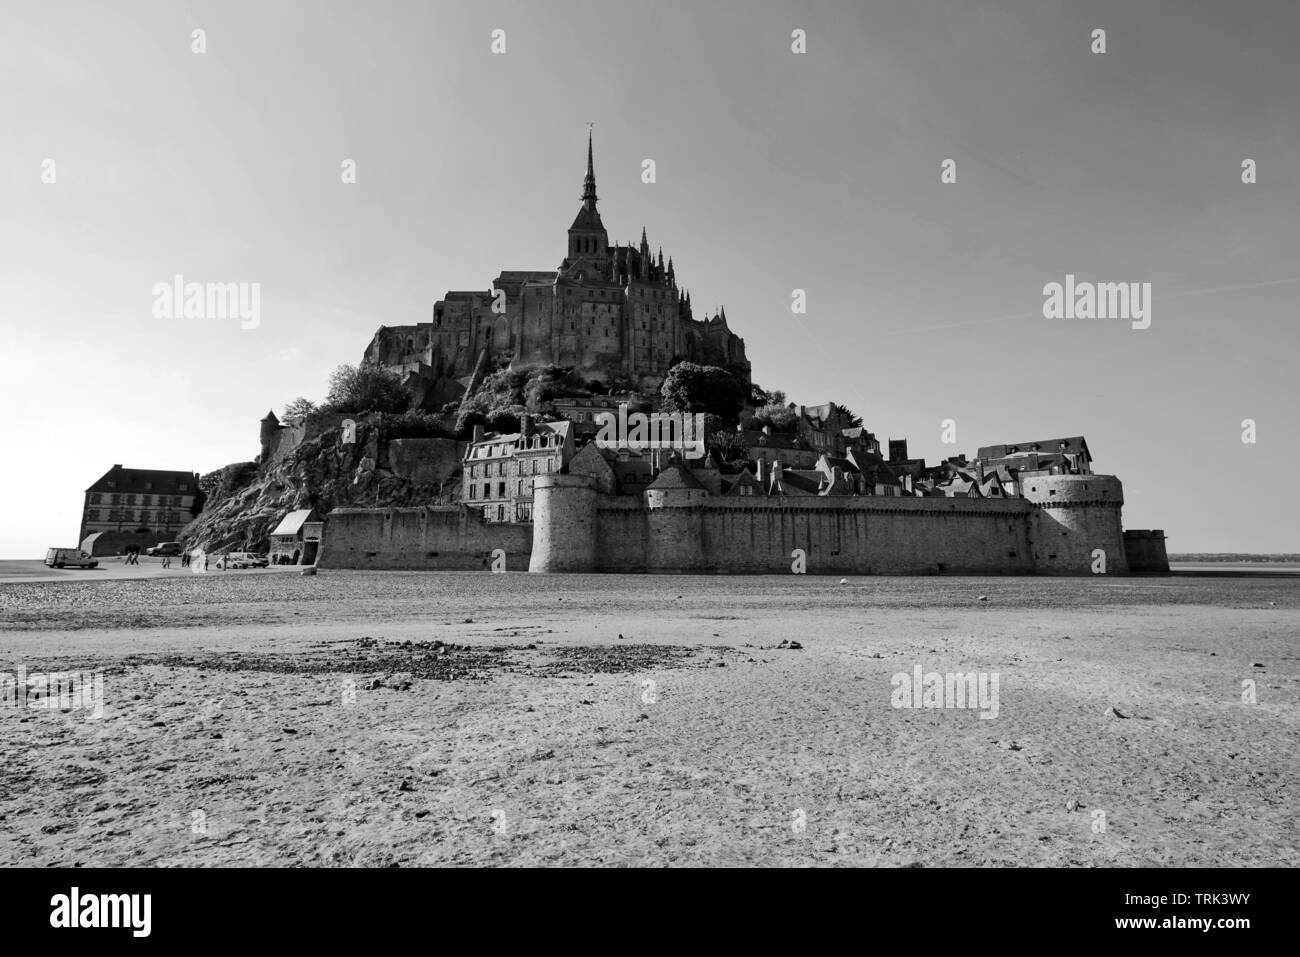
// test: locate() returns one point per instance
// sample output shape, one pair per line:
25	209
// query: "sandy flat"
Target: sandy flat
276	719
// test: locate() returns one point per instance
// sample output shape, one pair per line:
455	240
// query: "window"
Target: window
501	513
92	515
501	489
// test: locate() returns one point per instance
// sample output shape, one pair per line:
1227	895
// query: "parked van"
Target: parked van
74	557
163	549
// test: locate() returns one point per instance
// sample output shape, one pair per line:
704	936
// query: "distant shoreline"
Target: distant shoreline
1200	558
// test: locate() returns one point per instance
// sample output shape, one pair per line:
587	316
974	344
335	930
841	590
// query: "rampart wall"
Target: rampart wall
440	537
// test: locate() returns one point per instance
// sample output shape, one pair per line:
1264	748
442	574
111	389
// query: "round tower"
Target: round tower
267	433
1076	516
564	523
675	501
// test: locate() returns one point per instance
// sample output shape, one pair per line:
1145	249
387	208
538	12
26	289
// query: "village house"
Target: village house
498	470
296	540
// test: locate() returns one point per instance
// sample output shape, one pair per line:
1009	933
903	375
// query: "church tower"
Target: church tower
588	241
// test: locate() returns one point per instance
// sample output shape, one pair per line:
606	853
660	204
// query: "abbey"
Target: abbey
615	313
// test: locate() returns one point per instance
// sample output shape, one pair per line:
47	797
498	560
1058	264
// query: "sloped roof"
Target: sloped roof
745	478
674	477
164	481
561	428
798	482
1074	443
844	464
292	523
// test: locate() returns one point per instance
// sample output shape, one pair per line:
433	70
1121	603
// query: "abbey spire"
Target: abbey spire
589	182
588	240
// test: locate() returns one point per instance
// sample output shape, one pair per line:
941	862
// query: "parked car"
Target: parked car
75	557
243	560
165	548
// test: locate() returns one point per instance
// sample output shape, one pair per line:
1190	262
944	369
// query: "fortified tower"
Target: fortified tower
675	501
1075	515
564	523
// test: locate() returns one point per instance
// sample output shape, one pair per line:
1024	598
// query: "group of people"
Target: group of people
132	557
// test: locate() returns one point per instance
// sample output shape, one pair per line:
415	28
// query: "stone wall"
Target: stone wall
577	529
851	535
1145	550
443	537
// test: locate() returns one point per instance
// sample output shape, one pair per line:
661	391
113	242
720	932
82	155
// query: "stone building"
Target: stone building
137	507
1068	456
499	470
613	312
297	538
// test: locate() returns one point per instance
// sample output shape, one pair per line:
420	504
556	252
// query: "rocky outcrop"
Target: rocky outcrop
244	502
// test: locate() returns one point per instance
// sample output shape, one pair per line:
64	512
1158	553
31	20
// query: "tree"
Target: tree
299	407
779	416
728	443
365	388
694	388
855	421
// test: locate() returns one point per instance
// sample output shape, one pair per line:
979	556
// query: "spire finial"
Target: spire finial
589	181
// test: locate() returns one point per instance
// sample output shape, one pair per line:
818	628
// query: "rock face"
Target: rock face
245	501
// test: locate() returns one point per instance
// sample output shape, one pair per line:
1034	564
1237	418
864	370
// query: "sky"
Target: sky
775	171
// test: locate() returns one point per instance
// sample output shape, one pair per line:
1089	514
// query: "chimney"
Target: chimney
761	473
478	434
526	426
767	429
